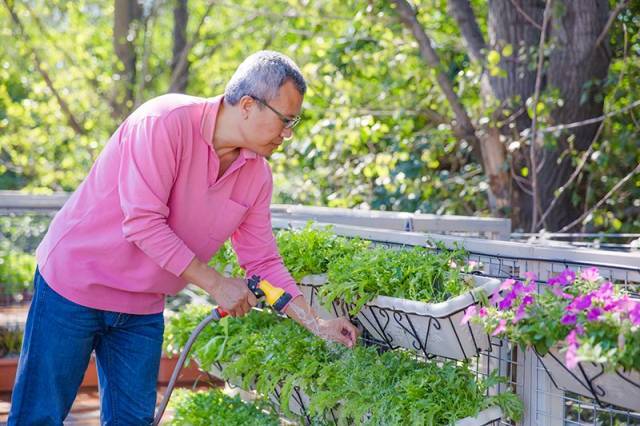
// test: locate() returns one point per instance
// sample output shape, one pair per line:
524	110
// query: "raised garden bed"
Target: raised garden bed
434	329
326	382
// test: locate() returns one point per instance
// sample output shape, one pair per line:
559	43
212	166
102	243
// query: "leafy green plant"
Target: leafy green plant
360	385
214	408
417	274
585	315
10	340
309	251
16	270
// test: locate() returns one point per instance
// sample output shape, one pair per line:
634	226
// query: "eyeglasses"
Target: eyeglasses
289	123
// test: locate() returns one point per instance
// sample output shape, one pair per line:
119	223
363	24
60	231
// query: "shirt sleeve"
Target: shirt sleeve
148	168
256	247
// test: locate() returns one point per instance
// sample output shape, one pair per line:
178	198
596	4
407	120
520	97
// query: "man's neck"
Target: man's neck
225	137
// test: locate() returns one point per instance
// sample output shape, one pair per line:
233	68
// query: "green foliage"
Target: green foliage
10	340
377	131
214	408
16	270
310	251
360	385
416	274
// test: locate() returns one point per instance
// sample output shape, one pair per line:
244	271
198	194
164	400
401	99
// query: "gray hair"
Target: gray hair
261	75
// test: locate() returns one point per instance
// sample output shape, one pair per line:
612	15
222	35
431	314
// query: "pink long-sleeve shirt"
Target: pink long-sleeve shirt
151	203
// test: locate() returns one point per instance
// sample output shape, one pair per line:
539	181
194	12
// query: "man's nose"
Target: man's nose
286	133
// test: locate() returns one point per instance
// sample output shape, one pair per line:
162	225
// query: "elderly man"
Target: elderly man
179	176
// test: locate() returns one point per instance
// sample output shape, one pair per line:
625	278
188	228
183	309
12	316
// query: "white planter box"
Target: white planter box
589	379
432	328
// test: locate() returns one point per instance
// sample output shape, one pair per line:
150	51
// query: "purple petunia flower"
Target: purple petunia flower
582	302
507	301
594	314
568	319
590	274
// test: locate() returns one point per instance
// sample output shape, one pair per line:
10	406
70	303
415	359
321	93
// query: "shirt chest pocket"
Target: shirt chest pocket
227	219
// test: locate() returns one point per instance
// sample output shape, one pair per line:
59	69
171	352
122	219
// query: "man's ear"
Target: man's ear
246	103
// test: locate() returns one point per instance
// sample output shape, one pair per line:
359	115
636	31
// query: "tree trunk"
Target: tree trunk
572	62
179	70
126	21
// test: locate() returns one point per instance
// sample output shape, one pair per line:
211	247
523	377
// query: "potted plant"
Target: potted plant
584	329
310	377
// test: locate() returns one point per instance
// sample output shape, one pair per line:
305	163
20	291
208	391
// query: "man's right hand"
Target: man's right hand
233	296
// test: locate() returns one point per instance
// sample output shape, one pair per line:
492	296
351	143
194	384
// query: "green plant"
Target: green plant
214	408
16	270
418	273
309	251
10	340
360	385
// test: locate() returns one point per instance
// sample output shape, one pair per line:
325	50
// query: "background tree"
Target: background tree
386	126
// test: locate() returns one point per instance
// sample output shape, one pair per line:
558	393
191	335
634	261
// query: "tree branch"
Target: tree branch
534	119
463	14
574	175
603	200
463	128
73	122
524	14
612	17
182	62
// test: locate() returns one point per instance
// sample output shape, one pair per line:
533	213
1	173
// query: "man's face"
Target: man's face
266	130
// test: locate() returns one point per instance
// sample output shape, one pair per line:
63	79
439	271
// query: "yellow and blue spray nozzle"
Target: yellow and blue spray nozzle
276	297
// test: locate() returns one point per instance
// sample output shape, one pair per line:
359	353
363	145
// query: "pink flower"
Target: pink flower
495	298
572	338
482	312
527	300
634	313
571	357
468	314
558	292
590	274
502	326
605	292
506	284
530	276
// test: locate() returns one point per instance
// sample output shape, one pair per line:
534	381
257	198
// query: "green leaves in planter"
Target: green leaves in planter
214	408
310	251
417	274
360	385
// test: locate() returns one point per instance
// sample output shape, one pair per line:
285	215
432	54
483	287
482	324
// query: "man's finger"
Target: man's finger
251	299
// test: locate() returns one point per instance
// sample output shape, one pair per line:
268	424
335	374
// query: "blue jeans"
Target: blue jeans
58	340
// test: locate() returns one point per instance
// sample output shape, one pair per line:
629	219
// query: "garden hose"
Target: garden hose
276	297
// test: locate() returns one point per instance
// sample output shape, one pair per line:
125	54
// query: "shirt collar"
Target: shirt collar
208	124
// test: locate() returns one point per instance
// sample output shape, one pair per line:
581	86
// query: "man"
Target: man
178	177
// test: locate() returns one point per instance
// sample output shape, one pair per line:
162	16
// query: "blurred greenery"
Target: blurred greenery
377	130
